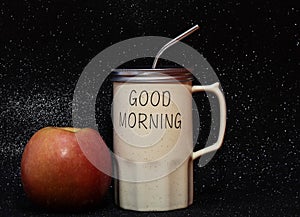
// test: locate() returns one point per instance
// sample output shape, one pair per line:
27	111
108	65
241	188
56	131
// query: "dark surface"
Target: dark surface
253	47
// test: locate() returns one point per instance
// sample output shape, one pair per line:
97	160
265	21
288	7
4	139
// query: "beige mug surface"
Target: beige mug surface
154	143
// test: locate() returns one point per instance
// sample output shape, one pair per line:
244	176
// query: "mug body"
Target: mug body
152	118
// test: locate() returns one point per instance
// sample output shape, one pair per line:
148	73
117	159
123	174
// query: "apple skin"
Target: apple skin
56	173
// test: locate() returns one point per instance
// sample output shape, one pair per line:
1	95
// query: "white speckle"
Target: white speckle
64	152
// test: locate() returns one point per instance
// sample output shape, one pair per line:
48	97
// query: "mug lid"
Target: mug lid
162	75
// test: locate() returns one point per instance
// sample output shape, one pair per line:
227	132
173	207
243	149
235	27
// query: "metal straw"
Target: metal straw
172	42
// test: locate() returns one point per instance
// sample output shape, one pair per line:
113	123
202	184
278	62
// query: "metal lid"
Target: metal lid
152	75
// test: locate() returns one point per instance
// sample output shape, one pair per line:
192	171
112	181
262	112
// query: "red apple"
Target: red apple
62	168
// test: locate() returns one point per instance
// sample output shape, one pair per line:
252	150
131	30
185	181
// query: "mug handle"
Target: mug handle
214	88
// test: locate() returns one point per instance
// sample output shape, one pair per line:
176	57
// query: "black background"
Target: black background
253	47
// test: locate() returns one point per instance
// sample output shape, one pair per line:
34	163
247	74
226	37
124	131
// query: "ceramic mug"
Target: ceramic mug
153	137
